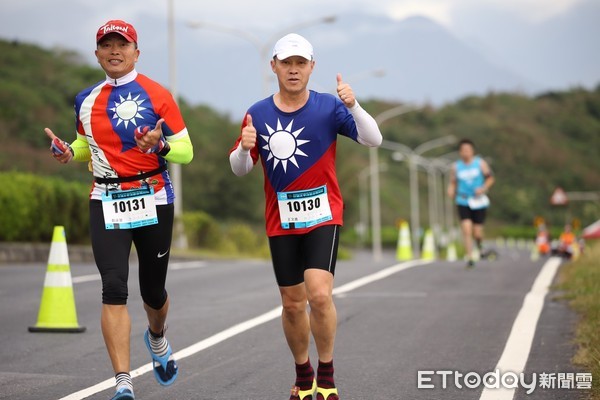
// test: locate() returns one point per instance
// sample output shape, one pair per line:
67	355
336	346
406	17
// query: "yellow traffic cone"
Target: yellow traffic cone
428	252
475	253
404	248
500	242
575	251
57	309
535	254
451	252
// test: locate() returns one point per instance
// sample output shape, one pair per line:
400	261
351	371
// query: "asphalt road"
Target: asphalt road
432	317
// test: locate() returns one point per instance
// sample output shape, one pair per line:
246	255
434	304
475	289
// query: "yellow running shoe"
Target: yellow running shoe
327	394
297	394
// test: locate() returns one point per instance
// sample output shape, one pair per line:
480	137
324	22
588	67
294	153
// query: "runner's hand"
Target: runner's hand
248	134
150	138
66	156
345	92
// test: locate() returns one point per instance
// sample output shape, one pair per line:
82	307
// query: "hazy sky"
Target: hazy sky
56	21
493	27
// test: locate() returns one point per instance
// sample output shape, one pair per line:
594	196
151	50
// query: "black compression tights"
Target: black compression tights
112	248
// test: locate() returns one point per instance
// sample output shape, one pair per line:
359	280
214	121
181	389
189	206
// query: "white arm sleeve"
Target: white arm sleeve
368	131
241	161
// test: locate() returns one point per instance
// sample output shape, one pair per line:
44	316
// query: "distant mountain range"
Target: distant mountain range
412	60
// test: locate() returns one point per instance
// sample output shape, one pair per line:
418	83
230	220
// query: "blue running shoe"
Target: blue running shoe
123	394
165	368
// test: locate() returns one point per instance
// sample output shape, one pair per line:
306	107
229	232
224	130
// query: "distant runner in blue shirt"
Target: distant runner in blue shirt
470	179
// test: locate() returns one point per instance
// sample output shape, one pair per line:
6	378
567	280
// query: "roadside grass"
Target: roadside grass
580	281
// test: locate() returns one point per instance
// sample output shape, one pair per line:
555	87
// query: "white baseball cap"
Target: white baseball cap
293	45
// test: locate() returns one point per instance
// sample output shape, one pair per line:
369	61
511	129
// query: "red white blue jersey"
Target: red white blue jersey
298	150
107	115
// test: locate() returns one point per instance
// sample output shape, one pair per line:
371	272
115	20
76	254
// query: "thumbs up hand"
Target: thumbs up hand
147	138
248	134
345	92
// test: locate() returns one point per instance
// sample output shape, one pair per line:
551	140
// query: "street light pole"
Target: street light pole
443	167
363	200
179	238
414	160
375	187
414	204
419	150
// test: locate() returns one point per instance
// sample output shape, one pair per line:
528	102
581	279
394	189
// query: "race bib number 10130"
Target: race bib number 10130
304	208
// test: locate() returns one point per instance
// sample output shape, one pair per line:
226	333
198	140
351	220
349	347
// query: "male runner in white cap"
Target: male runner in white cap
294	133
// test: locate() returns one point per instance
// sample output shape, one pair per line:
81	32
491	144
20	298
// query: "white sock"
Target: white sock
158	344
124	381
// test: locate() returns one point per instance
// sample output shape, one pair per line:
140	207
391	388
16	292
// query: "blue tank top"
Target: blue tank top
469	177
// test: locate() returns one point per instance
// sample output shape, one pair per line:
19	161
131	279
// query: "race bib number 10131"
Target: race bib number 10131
126	209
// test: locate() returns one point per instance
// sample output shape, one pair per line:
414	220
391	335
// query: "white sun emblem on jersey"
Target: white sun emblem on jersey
283	145
127	110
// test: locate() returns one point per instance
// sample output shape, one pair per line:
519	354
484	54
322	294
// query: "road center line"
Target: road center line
517	348
241	328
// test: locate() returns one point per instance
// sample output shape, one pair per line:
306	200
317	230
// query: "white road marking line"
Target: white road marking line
241	328
384	273
173	266
405	295
86	278
517	348
187	265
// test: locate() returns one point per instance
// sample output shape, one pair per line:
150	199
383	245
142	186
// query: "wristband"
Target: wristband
60	146
161	148
165	150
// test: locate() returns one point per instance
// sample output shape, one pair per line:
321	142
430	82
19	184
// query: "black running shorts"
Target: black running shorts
477	216
294	254
111	249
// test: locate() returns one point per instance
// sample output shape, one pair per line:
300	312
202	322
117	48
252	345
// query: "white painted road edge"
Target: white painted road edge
172	266
516	352
241	328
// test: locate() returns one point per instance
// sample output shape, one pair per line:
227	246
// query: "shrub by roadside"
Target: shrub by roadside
236	239
32	205
580	280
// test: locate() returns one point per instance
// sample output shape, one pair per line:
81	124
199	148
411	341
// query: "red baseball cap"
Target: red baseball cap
117	26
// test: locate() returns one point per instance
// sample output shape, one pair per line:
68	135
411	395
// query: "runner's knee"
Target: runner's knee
293	304
114	290
155	299
320	300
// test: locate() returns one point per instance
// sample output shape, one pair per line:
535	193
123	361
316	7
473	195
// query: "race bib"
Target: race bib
126	209
479	202
304	208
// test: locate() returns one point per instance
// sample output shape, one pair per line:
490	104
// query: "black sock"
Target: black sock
304	375
325	375
478	243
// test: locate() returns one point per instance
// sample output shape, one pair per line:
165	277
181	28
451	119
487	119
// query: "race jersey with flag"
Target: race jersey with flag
107	115
297	151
